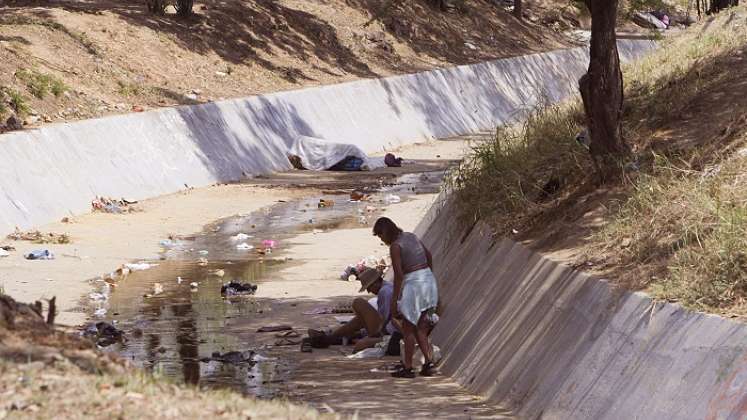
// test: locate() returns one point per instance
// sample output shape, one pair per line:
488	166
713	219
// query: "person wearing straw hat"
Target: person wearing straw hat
377	321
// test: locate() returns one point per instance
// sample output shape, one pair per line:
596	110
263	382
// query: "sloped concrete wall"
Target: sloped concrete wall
550	342
57	170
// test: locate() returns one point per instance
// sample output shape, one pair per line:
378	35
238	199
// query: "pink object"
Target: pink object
269	243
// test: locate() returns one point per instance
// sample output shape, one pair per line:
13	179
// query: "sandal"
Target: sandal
403	373
428	369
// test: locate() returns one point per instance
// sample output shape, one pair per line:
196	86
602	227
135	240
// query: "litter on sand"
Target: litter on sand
237	289
244	246
241	237
110	205
40	254
4	253
269	243
274	328
38	237
392	199
139	266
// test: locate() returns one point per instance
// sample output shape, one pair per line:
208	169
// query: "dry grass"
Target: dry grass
677	223
41	391
511	174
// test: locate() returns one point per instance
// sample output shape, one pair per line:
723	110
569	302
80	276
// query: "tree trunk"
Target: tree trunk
718	5
602	90
518	10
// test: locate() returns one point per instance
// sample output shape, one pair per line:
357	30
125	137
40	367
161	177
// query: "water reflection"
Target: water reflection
172	331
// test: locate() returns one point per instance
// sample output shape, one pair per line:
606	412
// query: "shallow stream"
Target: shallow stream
177	331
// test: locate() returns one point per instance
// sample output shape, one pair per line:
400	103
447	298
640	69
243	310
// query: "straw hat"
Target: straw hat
368	277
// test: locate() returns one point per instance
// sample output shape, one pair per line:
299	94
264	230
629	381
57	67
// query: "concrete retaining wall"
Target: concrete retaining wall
550	342
57	170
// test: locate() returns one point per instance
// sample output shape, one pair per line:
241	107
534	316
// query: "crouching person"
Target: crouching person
370	324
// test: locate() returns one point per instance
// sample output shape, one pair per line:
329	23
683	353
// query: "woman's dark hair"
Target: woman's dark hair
385	224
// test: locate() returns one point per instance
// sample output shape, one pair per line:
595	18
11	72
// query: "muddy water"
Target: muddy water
178	331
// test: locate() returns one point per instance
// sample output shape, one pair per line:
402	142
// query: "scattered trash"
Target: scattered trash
392	161
274	328
193	286
244	246
99	313
324	310
358	196
179	280
369	353
315	231
38	237
139	266
4	253
202	261
241	237
110	205
650	21
325	203
42	254
237	289
370	209
392	199
218	273
167	243
98	297
470	46
269	243
233	357
157	290
203	252
287	342
103	333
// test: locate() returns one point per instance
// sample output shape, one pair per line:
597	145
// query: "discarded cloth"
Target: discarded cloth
237	289
40	254
419	294
318	154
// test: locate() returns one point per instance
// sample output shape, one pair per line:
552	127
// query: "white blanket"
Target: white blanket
318	154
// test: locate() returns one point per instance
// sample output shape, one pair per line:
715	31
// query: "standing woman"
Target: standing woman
415	294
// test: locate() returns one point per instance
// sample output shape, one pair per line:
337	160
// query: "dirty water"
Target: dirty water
176	331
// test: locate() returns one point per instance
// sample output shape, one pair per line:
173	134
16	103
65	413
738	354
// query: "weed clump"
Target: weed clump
17	101
40	85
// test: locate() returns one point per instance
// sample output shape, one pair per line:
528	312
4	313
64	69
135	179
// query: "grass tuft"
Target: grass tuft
40	84
17	102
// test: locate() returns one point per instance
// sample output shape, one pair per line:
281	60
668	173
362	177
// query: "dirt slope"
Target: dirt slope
109	56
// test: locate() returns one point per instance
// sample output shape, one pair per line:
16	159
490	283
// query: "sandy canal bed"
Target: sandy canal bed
102	242
179	330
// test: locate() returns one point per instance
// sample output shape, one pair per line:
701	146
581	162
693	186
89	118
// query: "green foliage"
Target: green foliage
40	84
17	101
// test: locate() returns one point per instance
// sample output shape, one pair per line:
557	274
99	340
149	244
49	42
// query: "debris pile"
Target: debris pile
111	205
39	237
235	288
